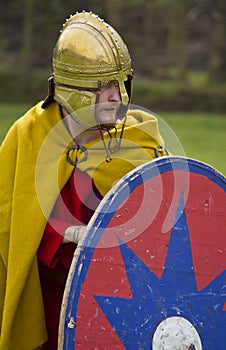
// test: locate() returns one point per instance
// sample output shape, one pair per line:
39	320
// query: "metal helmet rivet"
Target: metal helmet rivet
85	58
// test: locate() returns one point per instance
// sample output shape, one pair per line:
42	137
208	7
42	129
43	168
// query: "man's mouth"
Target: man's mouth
109	108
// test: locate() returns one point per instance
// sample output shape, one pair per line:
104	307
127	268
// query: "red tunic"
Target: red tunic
74	206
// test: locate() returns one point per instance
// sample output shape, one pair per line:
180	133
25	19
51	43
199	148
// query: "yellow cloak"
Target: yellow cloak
34	169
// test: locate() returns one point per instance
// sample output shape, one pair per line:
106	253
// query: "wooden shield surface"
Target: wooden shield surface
151	272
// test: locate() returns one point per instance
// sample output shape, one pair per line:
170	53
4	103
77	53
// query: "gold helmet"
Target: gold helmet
89	54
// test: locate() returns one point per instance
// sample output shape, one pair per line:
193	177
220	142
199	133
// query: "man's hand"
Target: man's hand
74	234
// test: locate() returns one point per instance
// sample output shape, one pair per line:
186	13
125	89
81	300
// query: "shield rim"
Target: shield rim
163	164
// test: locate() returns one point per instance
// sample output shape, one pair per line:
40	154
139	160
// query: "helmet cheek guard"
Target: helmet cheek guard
89	54
79	103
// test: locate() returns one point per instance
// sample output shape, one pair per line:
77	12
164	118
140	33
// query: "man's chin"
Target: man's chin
107	122
107	126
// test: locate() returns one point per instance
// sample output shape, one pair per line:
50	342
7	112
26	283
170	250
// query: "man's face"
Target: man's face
106	109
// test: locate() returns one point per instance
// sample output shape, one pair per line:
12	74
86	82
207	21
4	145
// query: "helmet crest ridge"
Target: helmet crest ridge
89	53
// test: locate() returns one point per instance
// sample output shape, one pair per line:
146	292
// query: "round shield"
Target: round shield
150	274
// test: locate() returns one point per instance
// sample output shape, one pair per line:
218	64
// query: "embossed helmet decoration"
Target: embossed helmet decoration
88	55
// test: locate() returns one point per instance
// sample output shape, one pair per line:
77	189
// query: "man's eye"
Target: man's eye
113	83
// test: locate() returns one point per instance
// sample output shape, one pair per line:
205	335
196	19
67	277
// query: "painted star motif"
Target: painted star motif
174	294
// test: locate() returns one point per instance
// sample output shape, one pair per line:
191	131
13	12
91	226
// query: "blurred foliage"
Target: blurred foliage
169	41
192	95
179	96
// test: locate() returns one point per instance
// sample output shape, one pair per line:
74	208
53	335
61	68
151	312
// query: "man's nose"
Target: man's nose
114	94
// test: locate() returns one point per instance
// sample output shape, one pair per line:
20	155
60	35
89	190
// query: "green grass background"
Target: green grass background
202	135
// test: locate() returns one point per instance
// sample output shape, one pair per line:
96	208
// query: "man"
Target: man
57	163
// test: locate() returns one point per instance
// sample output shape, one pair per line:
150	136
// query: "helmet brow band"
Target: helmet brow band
80	88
